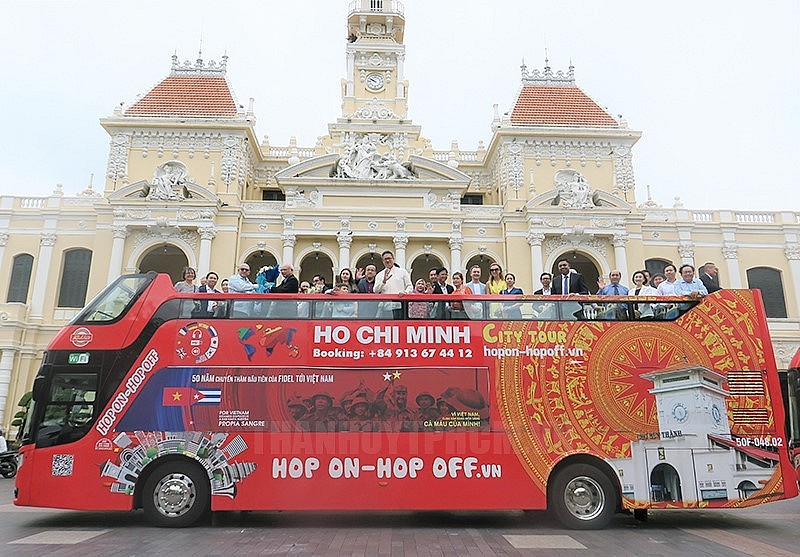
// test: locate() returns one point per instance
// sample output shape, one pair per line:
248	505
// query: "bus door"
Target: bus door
793	411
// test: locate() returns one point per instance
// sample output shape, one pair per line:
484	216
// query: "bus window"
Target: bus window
69	408
605	312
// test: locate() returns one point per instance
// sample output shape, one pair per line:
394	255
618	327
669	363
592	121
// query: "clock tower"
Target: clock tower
375	88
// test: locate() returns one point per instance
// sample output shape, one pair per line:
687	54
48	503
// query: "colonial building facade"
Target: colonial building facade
188	182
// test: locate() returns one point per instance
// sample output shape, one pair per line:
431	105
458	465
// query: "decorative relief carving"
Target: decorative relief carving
400	241
169	183
619	240
784	352
194	214
428	226
582	151
686	250
554	222
573	190
362	161
3	239
344	238
47	239
606	222
120	231
730	251
289	240
263	207
372	225
511	176
231	157
164	234
316	224
207	232
477	211
573	242
456	242
374	110
535	238
623	170
792	251
117	169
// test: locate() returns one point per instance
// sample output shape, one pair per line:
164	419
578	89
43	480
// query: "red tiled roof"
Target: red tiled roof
542	105
192	96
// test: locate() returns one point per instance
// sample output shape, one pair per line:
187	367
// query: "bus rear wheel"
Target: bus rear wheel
582	497
176	494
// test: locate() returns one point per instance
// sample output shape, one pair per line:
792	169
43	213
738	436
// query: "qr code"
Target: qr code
62	464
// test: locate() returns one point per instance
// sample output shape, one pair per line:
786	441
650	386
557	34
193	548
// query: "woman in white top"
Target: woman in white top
187	284
644	311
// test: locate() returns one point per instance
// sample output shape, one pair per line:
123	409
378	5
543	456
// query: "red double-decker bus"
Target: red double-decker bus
182	404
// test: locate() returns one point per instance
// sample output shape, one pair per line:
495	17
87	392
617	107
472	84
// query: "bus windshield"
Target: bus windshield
114	300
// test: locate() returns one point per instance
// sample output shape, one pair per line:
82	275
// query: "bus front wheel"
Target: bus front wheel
582	497
176	494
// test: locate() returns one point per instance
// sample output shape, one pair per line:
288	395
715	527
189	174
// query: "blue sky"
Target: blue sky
712	85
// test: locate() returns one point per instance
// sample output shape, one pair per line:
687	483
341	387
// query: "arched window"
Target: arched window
20	278
769	282
74	278
656	265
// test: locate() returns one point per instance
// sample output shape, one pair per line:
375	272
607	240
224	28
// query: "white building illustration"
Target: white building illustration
693	457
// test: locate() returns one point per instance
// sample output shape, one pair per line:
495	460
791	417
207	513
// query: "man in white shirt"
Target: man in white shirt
240	281
392	279
667	287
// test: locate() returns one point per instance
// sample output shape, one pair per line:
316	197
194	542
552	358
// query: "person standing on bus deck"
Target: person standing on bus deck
688	285
392	280
614	288
240	283
289	284
667	287
366	285
547	280
440	286
710	277
567	282
210	287
475	285
496	282
187	284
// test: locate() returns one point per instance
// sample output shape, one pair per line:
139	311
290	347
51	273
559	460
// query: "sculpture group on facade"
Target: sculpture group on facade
169	183
362	161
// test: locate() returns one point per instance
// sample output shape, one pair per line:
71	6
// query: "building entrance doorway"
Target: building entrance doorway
165	259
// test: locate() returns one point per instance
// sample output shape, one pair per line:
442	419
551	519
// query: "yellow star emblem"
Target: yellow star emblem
176	396
396	374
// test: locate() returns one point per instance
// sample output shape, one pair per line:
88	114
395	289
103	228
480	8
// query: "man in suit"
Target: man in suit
441	286
547	285
367	284
709	277
567	282
206	309
289	284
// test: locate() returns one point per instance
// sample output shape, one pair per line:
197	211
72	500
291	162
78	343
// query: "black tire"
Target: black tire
8	469
176	494
582	497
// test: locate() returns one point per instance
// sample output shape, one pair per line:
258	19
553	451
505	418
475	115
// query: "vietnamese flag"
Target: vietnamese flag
177	396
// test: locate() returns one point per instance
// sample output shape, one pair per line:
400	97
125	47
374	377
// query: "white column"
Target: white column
289	240
207	234
3	242
345	239
455	255
6	366
400	243
40	282
117	251
620	256
792	251
535	239
731	254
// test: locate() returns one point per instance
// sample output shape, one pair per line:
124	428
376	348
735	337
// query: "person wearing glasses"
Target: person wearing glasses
240	282
496	283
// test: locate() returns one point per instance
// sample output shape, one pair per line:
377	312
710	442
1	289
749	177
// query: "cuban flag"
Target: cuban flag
187	396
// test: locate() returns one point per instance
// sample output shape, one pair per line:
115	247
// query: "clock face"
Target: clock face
680	412
375	81
716	414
